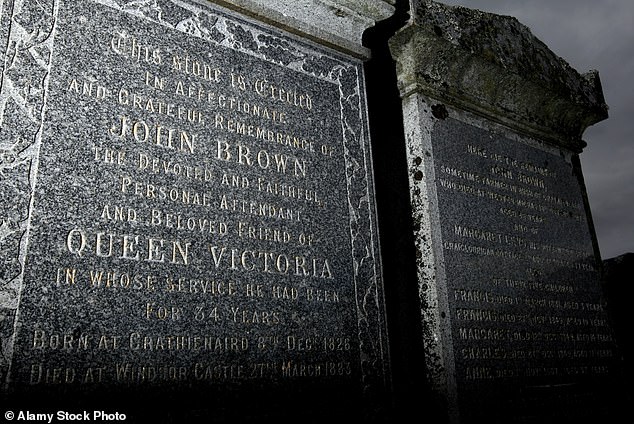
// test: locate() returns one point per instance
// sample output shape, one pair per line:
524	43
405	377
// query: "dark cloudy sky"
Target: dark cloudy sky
593	34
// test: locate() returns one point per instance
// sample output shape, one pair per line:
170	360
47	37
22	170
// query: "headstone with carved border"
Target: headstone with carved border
188	210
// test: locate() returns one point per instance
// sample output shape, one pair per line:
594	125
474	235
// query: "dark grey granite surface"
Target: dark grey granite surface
530	334
508	267
190	209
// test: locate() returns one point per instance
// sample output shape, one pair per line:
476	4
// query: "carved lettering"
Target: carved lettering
132	247
156	134
270	262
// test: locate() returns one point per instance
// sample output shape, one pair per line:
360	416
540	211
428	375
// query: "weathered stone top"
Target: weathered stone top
494	66
336	23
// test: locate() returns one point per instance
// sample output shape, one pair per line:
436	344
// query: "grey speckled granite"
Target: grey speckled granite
336	23
493	66
513	320
187	207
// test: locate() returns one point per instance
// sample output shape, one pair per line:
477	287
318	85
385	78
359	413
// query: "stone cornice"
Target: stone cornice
493	66
338	24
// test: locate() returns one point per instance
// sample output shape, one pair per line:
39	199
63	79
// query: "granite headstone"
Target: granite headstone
187	214
514	324
523	288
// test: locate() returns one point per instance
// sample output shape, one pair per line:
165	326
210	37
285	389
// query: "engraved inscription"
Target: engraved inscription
204	199
519	262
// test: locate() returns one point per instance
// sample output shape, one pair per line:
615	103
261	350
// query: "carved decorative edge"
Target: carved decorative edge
213	26
362	231
338	24
7	320
247	38
25	61
16	105
5	25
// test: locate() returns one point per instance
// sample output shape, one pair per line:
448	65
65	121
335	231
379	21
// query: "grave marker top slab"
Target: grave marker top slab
338	23
495	67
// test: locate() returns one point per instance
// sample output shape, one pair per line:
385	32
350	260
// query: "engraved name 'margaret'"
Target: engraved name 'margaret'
270	262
